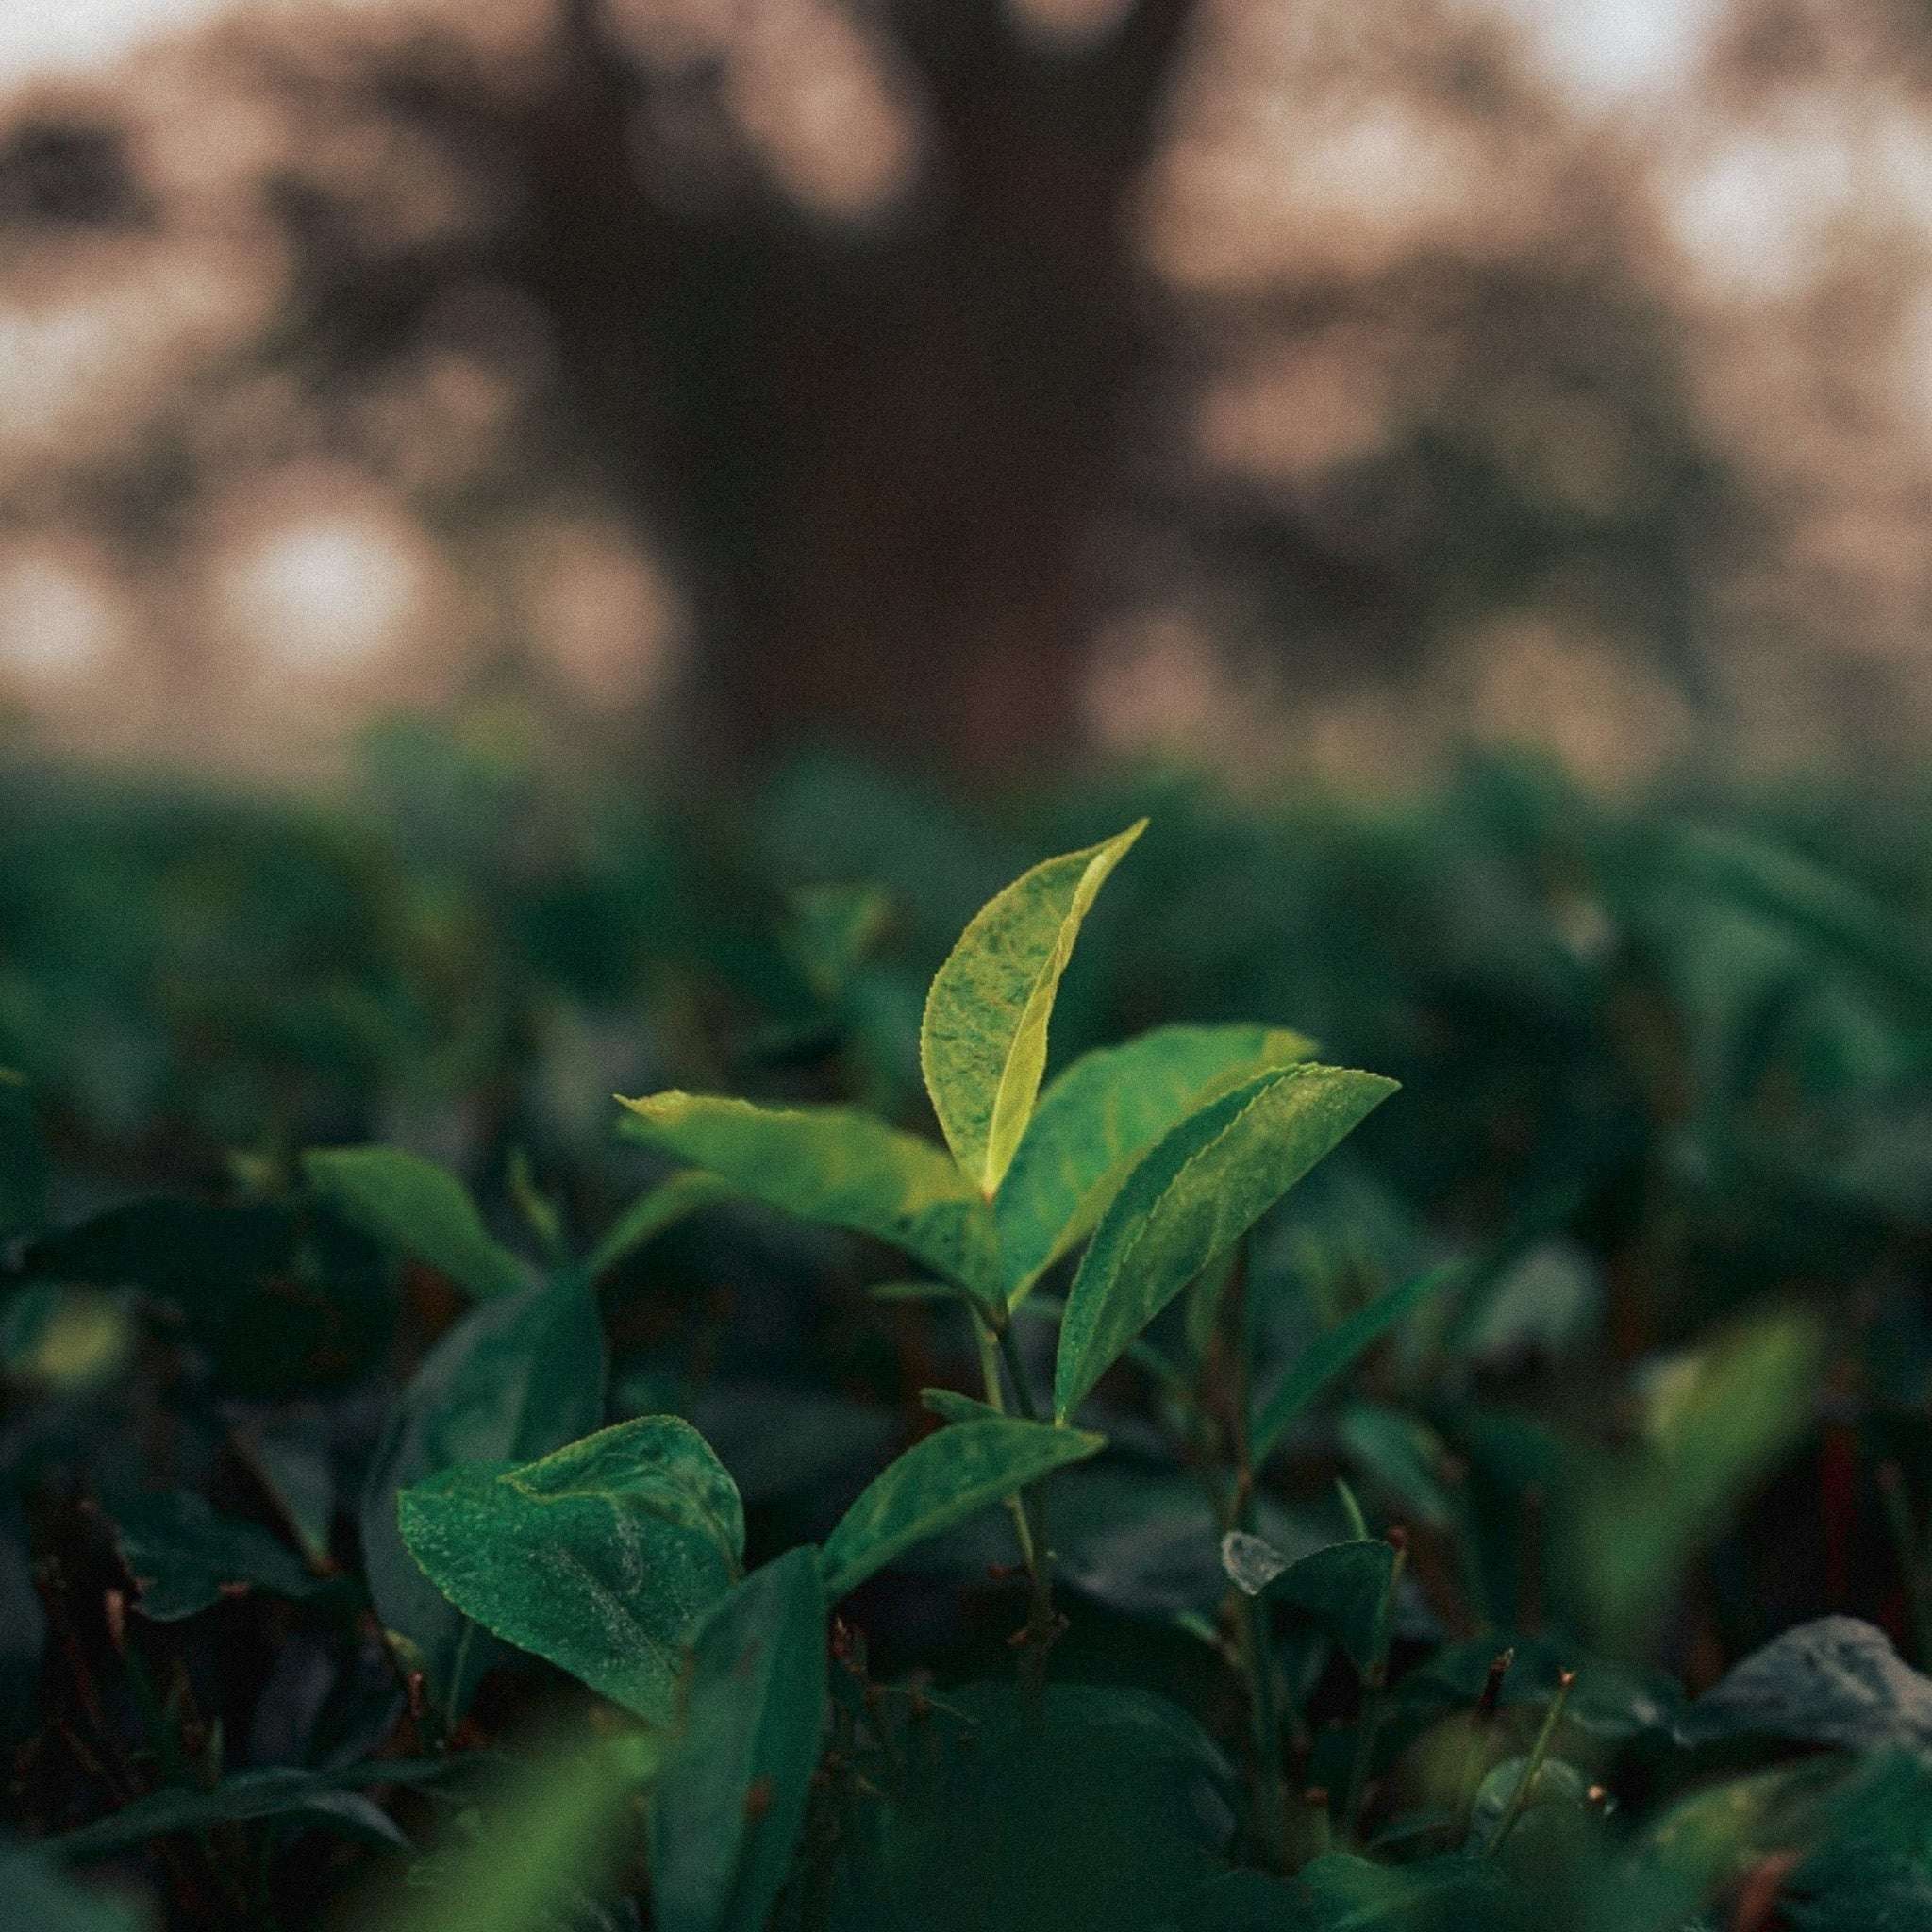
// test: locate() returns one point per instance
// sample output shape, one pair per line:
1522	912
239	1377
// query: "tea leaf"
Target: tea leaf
834	1165
647	1217
1204	1185
1334	1354
729	1806
1402	1454
982	1042
510	1381
950	1406
600	1557
185	1558
302	1798
412	1204
1096	1120
951	1475
1344	1587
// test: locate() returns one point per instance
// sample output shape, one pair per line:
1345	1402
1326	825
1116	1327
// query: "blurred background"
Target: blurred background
1272	384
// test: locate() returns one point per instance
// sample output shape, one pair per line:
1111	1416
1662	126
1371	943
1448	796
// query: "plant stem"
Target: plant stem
1519	1798
1036	1636
1375	1683
1481	1722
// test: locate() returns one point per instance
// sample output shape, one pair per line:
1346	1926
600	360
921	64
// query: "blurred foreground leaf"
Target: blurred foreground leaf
727	1813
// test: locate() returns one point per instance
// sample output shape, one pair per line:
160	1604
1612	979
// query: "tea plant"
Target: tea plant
1305	1622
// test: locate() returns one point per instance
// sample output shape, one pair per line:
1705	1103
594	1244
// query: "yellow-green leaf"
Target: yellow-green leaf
413	1205
836	1165
937	1484
1099	1117
1206	1183
982	1043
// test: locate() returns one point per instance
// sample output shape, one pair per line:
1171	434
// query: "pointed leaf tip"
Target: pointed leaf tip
982	1041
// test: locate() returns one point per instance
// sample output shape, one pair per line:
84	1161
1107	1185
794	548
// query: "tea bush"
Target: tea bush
1336	1366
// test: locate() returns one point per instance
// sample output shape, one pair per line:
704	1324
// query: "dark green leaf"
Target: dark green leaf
1403	1454
1345	1587
512	1380
601	1558
1203	1186
982	1042
1334	1354
413	1204
296	1797
1873	1869
294	1466
650	1214
185	1558
951	1406
1105	1812
834	1165
1096	1120
727	1810
956	1473
22	1162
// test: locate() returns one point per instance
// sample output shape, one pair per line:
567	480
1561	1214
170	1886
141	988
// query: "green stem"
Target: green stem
1482	1721
1374	1684
1028	1510
1519	1798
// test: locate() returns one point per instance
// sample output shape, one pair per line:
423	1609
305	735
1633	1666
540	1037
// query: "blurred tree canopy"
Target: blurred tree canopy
973	380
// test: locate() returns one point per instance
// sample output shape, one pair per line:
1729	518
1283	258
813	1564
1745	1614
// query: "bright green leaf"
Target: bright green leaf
836	1165
1096	1120
423	1209
1203	1186
512	1380
601	1558
953	1474
982	1043
1334	1354
727	1810
652	1213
